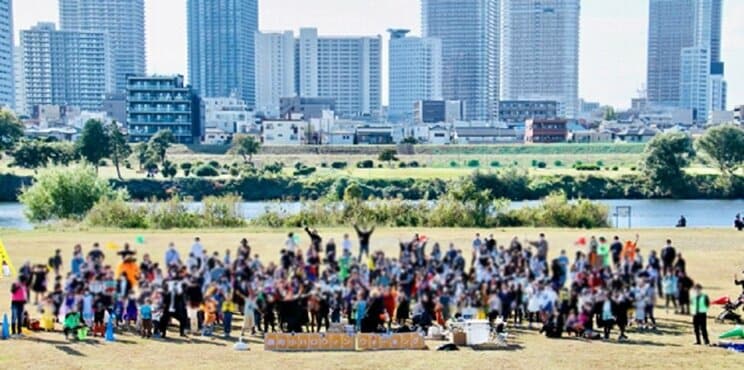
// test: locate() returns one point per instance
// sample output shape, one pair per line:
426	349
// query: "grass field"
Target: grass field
713	257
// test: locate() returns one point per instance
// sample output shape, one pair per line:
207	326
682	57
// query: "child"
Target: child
6	269
72	323
640	309
228	307
88	309
210	316
249	312
146	316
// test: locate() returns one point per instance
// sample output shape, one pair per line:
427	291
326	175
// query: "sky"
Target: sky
612	46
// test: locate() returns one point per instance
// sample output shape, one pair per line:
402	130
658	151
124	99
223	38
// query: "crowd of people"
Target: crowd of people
608	284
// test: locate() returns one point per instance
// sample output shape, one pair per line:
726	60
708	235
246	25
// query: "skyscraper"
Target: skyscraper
670	29
415	73
123	21
7	91
275	70
65	67
469	30
222	48
347	69
702	87
540	52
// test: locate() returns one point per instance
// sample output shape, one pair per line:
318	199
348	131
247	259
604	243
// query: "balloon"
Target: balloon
736	332
296	239
139	239
581	241
112	246
5	332
721	301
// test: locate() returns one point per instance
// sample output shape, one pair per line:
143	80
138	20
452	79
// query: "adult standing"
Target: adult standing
364	236
18	299
699	307
668	255
197	249
171	255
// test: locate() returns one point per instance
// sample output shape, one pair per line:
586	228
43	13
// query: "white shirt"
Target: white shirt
346	245
197	250
290	245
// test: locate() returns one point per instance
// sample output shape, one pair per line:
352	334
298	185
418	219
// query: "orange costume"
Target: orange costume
130	268
629	250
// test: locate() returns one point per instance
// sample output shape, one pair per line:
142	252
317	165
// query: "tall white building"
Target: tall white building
694	80
275	70
702	87
7	90
222	46
415	65
469	30
123	21
540	52
69	68
20	81
347	69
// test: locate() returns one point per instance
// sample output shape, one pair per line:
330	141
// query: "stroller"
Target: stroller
729	310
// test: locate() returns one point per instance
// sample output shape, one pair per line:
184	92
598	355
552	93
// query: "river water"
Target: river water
643	213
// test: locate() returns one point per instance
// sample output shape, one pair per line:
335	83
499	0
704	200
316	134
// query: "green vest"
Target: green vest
698	304
604	252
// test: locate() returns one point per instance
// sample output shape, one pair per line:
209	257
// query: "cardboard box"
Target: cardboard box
459	338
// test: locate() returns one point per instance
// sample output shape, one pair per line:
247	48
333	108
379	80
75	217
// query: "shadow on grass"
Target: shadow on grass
210	342
70	351
498	347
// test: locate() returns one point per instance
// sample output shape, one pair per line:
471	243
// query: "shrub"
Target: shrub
587	167
541	164
402	165
234	172
633	168
453	164
339	165
304	171
615	168
274	168
413	164
367	163
214	164
127	164
186	167
600	164
222	212
64	193
102	163
473	163
495	164
206	171
117	213
379	165
323	165
534	163
558	164
172	214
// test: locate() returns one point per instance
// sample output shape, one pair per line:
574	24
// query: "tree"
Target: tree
160	142
725	146
63	193
31	154
186	168
664	160
118	147
609	113
169	170
246	146
93	143
11	130
388	155
410	140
